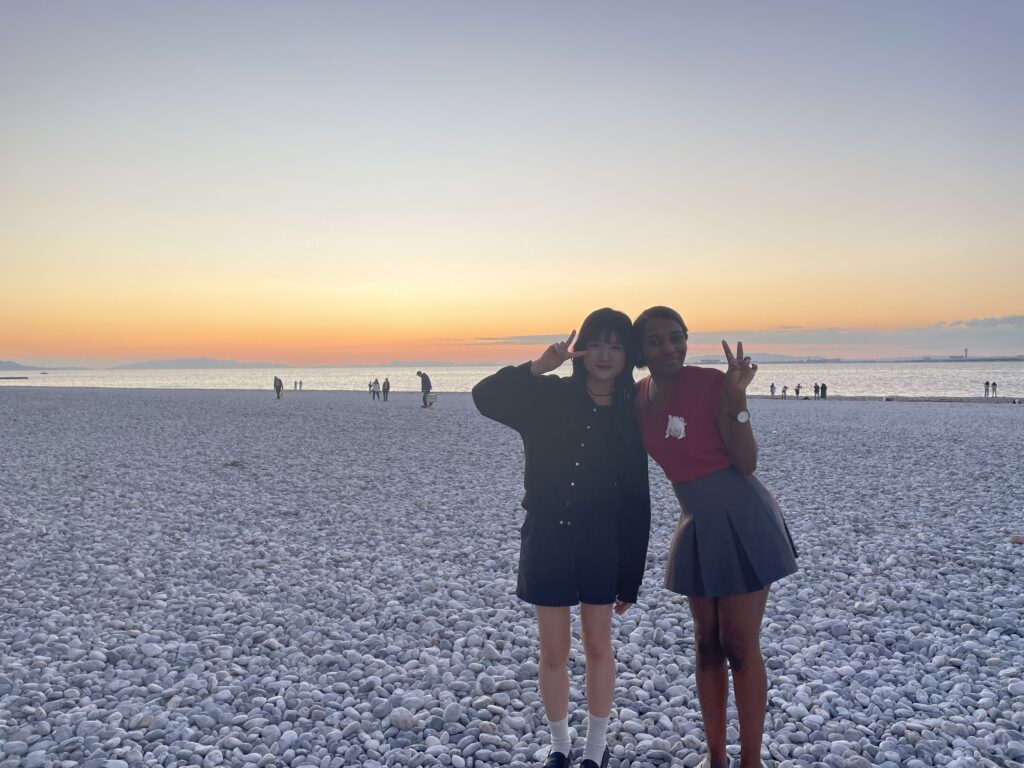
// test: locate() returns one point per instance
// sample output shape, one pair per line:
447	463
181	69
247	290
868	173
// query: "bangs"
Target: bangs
606	336
606	326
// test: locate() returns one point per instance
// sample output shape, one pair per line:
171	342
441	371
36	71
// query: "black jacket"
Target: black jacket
604	497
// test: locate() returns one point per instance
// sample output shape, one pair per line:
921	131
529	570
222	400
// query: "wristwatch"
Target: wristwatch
743	417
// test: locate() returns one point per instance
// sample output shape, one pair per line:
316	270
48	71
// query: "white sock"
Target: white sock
597	738
560	741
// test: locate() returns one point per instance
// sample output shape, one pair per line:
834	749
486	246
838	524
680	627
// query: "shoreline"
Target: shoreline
396	393
904	398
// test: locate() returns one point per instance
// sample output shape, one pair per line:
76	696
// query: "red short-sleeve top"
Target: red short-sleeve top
694	448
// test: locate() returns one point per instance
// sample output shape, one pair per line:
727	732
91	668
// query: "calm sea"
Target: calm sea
952	379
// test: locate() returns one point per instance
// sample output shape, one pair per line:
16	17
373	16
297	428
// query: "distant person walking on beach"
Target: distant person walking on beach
369	388
278	387
993	389
731	542
817	391
588	511
375	389
300	385
772	390
385	388
425	387
785	389
295	386
796	389
824	391
986	389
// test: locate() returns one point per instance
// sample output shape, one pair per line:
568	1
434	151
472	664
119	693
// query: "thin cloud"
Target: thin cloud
479	341
992	335
1007	321
518	339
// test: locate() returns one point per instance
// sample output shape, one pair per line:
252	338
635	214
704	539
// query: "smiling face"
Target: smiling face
607	337
605	359
663	346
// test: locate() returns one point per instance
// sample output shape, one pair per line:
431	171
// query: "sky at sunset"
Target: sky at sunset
335	182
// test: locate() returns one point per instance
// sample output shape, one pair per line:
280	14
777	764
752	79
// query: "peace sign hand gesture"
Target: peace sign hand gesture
554	356
741	369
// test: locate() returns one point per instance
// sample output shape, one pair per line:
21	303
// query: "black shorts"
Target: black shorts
566	562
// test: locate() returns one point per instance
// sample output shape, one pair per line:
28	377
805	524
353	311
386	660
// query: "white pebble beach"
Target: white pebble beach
221	578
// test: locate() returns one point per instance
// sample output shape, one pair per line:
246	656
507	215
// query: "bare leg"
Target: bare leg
553	628
596	622
712	676
739	619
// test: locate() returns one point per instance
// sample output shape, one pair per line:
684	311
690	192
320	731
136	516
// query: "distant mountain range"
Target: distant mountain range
184	363
205	362
179	364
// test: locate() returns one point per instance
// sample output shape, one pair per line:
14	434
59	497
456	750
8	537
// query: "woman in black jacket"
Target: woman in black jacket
588	510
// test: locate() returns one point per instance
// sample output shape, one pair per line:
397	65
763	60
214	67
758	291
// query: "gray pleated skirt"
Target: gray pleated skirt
731	538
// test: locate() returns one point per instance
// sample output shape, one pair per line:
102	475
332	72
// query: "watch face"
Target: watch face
743	417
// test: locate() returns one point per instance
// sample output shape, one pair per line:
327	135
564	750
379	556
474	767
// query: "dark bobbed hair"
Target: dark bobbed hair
607	324
640	326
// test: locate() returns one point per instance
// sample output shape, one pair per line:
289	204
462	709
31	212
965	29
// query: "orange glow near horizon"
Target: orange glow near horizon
382	325
121	309
409	206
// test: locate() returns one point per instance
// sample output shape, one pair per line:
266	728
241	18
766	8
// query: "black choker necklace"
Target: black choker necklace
592	393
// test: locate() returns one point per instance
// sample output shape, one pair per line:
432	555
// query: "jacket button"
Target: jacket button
588	426
577	463
572	483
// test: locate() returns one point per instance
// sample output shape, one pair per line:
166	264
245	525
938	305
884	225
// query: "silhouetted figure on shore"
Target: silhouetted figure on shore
824	391
425	387
375	389
385	388
986	389
772	390
993	389
278	387
817	391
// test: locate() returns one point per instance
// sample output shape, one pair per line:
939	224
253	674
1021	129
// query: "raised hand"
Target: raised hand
555	355
741	369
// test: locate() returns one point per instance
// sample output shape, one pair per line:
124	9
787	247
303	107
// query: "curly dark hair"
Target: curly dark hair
640	325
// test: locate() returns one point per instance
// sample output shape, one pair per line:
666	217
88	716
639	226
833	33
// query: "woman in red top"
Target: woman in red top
731	541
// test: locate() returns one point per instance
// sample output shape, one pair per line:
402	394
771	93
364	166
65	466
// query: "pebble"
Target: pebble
301	607
403	719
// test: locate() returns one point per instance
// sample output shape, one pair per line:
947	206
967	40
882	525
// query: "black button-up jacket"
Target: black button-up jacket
595	495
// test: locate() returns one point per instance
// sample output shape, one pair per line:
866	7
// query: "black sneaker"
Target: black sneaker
592	764
558	760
